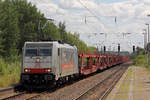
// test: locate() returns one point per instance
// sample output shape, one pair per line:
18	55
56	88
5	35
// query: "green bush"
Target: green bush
141	60
9	72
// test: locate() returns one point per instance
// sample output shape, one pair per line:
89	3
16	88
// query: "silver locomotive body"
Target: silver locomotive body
45	63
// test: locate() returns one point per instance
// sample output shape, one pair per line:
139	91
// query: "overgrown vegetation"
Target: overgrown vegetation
141	60
19	22
9	72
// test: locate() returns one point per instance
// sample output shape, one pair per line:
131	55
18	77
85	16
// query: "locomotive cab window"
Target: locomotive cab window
31	52
45	52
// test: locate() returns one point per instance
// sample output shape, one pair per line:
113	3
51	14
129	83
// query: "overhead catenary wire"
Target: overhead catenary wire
94	15
90	11
83	20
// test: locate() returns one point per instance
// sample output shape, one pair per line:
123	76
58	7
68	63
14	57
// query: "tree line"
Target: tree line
19	22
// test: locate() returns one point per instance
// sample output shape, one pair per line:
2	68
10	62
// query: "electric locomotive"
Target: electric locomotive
46	63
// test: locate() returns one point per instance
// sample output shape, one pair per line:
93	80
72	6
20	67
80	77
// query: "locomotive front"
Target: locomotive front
37	64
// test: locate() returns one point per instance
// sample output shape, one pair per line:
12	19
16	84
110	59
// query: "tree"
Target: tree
140	51
1	45
19	22
9	28
1	37
28	18
51	31
62	30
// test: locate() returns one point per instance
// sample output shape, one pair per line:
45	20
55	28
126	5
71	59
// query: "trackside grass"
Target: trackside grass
141	60
9	71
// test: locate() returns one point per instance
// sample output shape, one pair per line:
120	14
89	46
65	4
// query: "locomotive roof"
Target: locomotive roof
40	42
60	45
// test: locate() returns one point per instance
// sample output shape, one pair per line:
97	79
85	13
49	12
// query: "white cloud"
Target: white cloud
48	7
146	1
77	4
131	16
70	4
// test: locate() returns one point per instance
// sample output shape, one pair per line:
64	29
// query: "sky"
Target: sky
91	18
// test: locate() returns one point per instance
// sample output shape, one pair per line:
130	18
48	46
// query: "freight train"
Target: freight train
51	62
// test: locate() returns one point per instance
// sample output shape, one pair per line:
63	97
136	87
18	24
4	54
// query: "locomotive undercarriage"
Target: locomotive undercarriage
37	80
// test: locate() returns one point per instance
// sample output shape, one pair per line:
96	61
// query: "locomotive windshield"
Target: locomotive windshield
38	49
31	52
40	52
45	52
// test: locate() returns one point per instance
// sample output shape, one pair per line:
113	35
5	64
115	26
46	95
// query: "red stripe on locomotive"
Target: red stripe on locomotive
37	70
68	65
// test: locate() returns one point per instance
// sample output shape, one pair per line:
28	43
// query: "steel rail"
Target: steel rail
35	96
13	96
100	83
103	97
6	89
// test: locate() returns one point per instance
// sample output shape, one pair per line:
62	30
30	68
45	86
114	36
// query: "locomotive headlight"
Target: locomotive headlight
48	70
38	60
26	70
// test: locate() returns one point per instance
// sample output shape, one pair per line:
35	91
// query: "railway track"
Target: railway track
111	79
105	84
23	96
6	89
77	92
10	94
103	97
